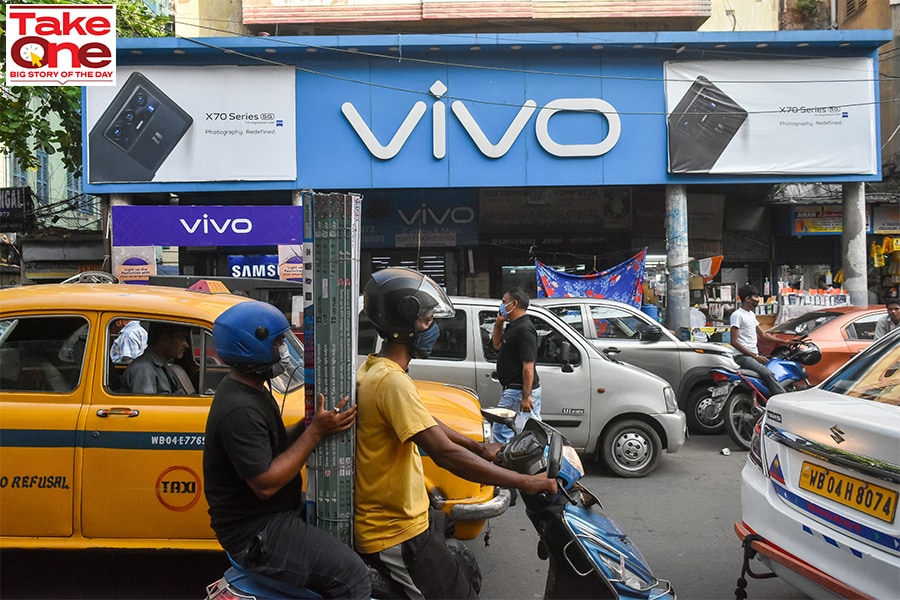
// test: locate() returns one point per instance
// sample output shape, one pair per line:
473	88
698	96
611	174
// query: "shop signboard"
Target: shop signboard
406	219
439	113
16	210
823	220
207	225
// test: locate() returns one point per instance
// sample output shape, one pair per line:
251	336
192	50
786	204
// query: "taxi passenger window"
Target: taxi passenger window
170	364
42	354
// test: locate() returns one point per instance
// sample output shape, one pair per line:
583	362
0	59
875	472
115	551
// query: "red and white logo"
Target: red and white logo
60	44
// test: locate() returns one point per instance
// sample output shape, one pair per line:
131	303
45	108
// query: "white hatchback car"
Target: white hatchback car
820	489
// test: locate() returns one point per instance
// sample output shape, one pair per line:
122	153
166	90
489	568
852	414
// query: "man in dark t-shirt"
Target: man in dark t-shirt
252	464
517	346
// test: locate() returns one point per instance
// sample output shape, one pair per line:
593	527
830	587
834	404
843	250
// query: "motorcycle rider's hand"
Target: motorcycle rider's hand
535	484
489	451
328	422
762	359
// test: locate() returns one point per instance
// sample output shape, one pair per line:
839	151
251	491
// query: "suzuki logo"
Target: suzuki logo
837	434
235	225
476	134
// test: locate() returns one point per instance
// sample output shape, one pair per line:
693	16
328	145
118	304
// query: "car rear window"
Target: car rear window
805	324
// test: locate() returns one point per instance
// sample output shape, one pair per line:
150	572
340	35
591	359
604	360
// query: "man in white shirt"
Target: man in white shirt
129	344
745	333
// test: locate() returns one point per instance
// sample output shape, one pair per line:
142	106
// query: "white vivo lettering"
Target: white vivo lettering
477	135
365	134
424	215
512	132
596	105
236	225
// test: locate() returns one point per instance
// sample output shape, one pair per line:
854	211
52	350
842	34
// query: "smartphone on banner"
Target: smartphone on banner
135	134
702	125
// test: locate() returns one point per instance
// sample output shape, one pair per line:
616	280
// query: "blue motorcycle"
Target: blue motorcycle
589	556
742	394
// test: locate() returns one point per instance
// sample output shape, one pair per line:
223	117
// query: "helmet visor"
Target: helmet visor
433	301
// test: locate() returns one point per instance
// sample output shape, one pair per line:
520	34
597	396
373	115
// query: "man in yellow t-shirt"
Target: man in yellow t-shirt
393	531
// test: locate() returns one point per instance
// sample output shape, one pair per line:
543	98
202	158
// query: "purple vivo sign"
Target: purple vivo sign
207	225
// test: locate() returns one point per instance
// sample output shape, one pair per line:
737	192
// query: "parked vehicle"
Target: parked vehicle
840	332
821	484
86	464
743	393
624	333
589	556
620	414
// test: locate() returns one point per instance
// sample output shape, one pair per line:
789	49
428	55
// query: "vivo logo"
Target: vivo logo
424	215
473	129
203	225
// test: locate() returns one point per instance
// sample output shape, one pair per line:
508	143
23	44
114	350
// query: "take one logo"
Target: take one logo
53	45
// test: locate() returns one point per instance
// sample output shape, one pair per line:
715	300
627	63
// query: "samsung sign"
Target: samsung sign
207	225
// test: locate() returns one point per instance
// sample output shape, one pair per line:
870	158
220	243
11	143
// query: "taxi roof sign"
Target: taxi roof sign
210	286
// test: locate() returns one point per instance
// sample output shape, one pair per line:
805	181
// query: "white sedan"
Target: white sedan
820	489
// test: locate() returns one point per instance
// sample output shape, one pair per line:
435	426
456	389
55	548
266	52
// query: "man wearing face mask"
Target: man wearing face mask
395	532
252	463
517	345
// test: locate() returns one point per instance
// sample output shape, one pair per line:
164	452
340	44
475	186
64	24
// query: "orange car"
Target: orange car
840	333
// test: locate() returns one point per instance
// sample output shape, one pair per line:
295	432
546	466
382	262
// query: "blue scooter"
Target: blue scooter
743	394
589	556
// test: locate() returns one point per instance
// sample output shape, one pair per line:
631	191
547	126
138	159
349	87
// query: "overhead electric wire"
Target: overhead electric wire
272	62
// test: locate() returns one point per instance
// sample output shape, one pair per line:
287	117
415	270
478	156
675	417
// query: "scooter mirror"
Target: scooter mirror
503	416
554	455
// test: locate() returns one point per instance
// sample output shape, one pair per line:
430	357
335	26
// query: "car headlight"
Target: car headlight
671	403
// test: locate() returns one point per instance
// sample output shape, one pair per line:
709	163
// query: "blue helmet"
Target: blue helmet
246	333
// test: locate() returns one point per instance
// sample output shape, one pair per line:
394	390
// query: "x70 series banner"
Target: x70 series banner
809	116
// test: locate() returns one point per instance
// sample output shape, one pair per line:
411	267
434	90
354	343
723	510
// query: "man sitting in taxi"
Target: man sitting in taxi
153	372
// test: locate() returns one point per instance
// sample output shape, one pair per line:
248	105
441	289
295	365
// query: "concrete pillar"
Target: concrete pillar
678	292
853	243
107	204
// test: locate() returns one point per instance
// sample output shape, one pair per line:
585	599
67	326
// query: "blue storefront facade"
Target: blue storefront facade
476	153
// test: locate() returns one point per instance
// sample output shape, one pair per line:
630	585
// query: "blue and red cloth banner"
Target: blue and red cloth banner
623	282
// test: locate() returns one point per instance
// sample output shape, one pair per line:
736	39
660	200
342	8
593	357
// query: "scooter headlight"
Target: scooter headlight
622	575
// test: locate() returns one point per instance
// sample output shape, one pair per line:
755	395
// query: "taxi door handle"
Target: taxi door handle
118	411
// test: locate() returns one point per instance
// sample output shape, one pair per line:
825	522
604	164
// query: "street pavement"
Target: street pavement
680	517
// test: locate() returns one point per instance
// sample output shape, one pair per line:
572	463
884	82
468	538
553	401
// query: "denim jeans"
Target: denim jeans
511	398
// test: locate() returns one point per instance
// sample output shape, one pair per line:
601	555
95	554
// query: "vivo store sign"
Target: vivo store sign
388	149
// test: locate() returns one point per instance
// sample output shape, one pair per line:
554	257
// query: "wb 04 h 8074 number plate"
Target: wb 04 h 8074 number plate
860	495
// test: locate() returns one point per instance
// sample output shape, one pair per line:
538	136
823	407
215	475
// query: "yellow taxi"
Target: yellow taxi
84	463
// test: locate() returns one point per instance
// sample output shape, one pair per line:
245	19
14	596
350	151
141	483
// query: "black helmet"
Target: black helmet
394	298
807	354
